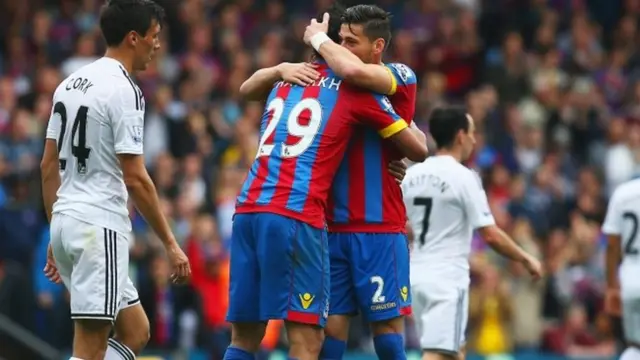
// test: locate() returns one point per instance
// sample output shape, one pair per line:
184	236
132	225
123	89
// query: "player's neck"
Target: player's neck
121	56
450	152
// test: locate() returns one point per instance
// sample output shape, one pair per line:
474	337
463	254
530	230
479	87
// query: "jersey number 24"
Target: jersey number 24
79	151
305	133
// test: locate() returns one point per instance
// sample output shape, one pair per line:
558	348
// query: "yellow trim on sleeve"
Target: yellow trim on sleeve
394	82
393	129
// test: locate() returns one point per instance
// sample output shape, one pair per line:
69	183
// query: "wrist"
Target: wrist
279	69
318	39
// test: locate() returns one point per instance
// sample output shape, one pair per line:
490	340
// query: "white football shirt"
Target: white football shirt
623	214
445	202
98	112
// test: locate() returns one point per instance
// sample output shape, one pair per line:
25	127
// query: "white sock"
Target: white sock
118	351
630	353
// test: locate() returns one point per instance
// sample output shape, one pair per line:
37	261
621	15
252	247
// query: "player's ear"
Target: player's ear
132	37
378	46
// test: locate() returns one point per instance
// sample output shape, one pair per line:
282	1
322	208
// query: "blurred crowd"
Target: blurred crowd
553	85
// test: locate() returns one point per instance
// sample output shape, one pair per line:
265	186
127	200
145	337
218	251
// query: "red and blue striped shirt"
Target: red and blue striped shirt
364	196
305	132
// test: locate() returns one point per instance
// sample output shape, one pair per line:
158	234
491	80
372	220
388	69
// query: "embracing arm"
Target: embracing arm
375	77
258	86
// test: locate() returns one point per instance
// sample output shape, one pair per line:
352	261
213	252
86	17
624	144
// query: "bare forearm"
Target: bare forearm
419	134
257	87
341	60
613	261
499	241
145	198
374	77
50	186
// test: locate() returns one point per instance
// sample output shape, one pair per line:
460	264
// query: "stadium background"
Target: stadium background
553	86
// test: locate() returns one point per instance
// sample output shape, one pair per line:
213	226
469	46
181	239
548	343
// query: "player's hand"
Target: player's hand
533	266
613	302
398	169
302	74
50	270
180	264
315	27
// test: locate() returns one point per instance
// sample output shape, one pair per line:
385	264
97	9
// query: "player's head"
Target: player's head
133	25
453	130
366	31
335	15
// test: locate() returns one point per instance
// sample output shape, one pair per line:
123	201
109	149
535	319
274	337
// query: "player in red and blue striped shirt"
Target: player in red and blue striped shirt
279	251
366	214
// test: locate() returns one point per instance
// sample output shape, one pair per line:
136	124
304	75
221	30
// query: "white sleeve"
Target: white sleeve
127	121
613	221
53	127
475	202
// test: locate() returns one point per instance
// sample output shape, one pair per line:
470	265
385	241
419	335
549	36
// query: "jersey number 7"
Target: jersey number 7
427	203
306	133
80	151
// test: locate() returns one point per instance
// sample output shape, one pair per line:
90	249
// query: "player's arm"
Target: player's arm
49	166
258	86
375	77
418	133
376	110
481	218
612	228
127	125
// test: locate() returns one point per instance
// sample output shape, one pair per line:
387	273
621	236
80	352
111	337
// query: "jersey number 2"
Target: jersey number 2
629	246
426	202
305	133
80	151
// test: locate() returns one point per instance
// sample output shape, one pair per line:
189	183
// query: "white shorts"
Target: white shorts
441	311
93	263
631	317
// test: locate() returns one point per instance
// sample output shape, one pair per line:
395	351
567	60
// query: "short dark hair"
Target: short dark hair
119	17
335	20
445	123
376	23
335	15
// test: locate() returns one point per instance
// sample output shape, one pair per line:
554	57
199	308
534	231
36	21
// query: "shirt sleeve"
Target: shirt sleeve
376	110
55	122
613	220
475	202
402	77
127	120
404	90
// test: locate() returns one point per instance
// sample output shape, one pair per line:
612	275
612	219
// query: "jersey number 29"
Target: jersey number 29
305	133
80	151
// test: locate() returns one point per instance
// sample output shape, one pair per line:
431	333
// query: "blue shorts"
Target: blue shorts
370	274
279	270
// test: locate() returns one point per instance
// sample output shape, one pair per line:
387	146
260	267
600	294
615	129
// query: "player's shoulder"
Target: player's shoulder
468	175
629	189
402	72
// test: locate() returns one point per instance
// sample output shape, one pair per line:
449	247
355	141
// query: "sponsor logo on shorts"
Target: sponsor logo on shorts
404	292
306	299
383	307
